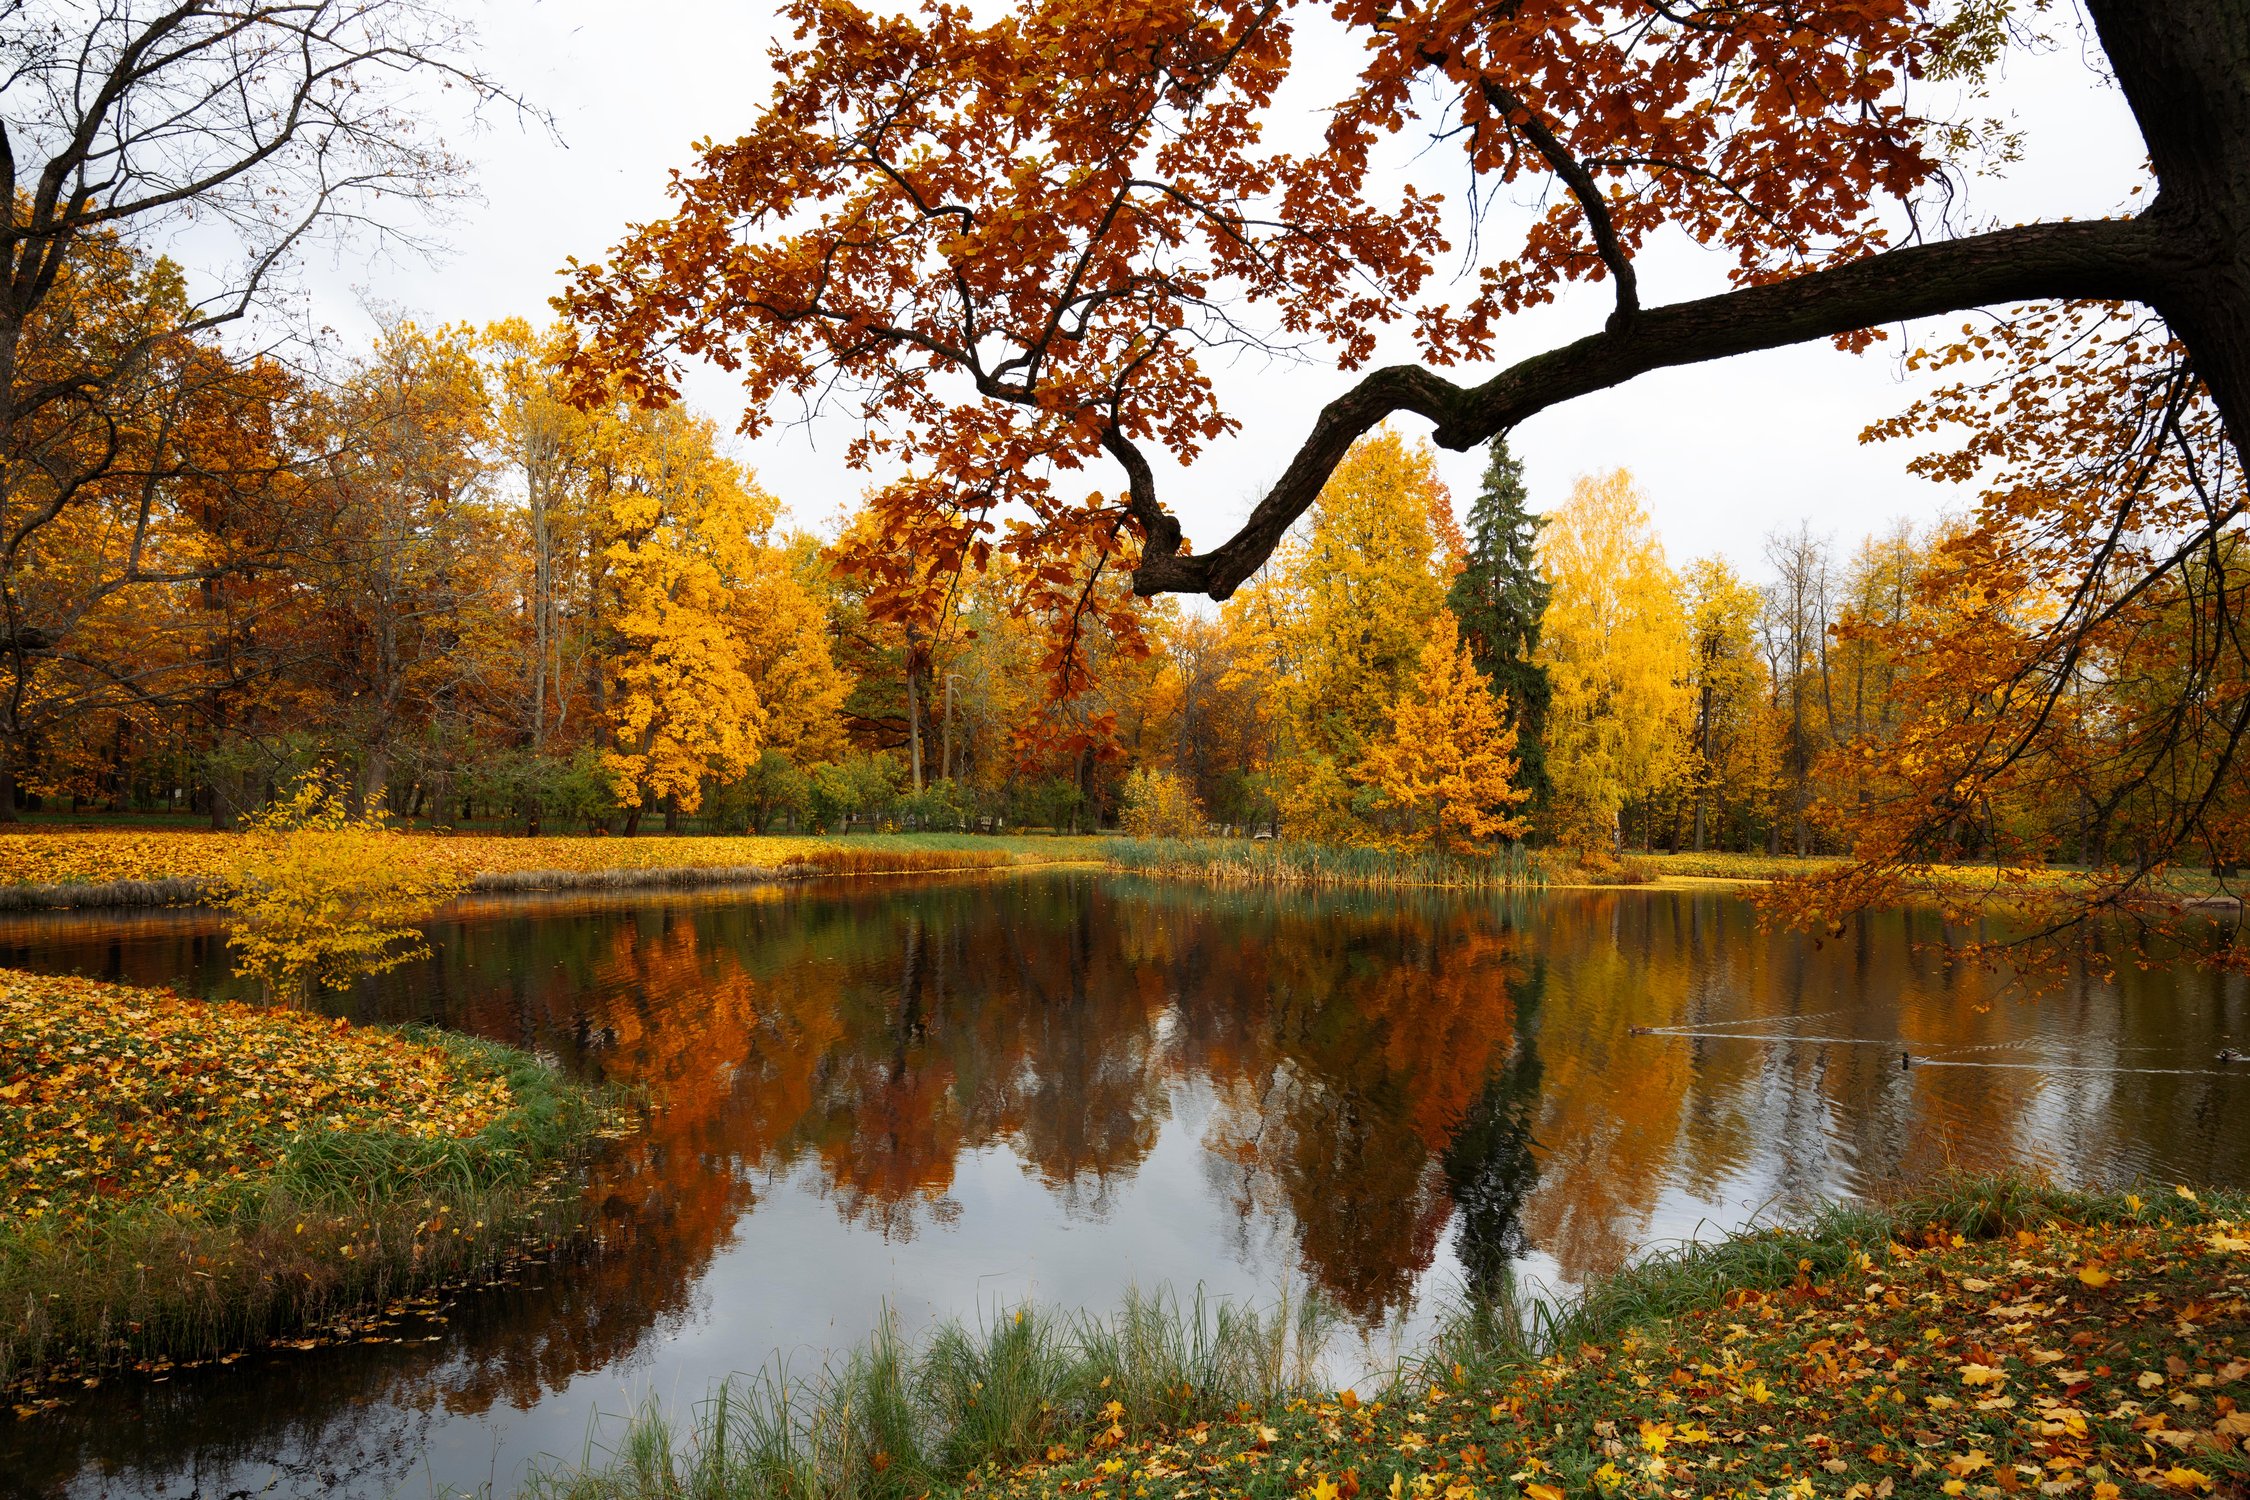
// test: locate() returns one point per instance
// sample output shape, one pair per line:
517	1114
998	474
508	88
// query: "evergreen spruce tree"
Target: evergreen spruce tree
1498	598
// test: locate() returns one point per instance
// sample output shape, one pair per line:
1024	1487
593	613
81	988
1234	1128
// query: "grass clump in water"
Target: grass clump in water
892	1420
179	1180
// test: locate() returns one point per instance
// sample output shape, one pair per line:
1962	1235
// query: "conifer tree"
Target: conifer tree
1499	598
1446	770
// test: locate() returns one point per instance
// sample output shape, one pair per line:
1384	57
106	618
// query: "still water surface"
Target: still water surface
948	1097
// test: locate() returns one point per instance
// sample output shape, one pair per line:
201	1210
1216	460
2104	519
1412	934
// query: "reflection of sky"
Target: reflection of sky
1256	1028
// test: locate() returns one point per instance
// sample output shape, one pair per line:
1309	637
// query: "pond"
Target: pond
946	1097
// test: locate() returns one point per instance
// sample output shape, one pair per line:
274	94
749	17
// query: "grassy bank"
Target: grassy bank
1999	1339
133	867
1257	862
179	1180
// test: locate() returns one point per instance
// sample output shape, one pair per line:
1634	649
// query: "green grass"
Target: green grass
891	1420
1256	862
1860	1345
344	1221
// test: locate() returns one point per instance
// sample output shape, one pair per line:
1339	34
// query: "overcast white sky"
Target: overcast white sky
1727	453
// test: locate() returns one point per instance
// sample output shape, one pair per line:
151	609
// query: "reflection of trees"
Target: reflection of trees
1375	1071
1610	1106
1379	1030
1488	1165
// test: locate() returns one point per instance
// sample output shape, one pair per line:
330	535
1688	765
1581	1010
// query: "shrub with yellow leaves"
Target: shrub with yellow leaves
1159	804
320	895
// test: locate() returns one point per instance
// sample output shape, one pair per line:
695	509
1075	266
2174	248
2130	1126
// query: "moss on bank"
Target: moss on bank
179	1180
1992	1339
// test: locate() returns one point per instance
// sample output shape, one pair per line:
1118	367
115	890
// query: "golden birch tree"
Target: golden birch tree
1615	644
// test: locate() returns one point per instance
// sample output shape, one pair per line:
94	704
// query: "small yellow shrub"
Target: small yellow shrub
321	897
1160	805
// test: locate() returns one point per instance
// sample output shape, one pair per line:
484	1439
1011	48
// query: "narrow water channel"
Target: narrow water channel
946	1097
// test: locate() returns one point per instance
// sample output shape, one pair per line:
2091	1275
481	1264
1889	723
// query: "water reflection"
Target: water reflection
942	1095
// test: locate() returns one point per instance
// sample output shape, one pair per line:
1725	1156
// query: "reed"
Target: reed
1276	862
105	895
892	1420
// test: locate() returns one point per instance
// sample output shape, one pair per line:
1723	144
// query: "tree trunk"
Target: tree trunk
914	708
8	762
374	778
2184	66
542	605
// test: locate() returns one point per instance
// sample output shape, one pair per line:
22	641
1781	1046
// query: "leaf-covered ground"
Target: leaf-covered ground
84	857
111	1095
2096	1360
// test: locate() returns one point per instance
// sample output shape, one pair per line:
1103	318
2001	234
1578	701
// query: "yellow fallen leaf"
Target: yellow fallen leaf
2095	1276
1542	1492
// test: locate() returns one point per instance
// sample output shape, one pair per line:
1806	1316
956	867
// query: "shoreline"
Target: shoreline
1988	1337
247	1181
1232	864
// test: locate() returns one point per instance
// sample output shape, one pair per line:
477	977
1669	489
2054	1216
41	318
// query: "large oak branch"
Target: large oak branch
2120	259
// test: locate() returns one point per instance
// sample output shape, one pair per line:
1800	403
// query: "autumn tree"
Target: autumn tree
119	518
1446	770
1334	631
1726	778
1009	294
1498	598
2067	673
553	447
686	527
1208	709
1158	804
319	896
1614	643
1006	295
267	126
397	547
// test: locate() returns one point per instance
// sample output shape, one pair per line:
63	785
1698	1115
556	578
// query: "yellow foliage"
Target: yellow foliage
1315	801
690	528
1614	641
1336	622
1160	805
320	896
1448	764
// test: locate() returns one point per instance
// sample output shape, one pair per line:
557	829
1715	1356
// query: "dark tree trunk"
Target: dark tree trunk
2184	66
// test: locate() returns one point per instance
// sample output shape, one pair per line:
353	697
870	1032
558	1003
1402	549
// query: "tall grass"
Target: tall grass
892	1420
1260	862
269	1259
